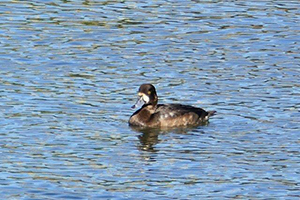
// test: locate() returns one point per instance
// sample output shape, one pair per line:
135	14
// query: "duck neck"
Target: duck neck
154	100
151	107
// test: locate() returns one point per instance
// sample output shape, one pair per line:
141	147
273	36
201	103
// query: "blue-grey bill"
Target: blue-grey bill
138	103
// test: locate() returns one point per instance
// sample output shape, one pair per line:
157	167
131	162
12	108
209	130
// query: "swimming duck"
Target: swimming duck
152	114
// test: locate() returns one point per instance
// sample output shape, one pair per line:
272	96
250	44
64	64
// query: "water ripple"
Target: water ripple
69	74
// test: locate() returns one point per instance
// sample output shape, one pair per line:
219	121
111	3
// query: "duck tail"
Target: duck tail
211	113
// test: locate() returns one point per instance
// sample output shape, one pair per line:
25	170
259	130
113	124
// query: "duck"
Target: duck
152	114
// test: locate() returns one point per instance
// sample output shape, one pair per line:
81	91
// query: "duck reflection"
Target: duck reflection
149	137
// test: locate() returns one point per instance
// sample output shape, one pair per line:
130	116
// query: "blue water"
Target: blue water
70	71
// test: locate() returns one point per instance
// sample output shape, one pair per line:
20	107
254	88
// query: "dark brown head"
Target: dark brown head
147	95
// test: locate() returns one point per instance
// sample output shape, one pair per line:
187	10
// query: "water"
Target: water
69	73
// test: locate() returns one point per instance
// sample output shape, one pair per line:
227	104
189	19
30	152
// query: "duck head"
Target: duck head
146	95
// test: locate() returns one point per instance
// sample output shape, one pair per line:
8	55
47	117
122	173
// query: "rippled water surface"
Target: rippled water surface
70	70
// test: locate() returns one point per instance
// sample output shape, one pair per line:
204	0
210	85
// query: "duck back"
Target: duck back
171	115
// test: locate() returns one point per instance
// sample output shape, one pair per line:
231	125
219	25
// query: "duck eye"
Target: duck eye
149	92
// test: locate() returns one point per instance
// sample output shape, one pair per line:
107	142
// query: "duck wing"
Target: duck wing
176	110
178	115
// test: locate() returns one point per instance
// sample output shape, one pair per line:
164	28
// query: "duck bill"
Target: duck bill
138	103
